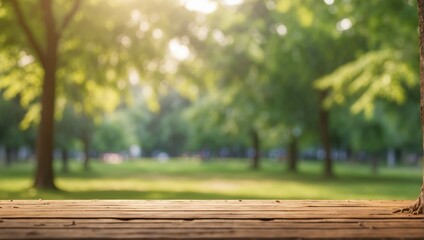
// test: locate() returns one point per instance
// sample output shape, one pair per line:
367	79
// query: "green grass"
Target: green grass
189	179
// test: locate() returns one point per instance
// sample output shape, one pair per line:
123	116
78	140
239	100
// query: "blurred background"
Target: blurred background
209	99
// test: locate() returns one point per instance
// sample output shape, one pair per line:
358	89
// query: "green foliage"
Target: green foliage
388	128
166	130
96	57
113	135
375	75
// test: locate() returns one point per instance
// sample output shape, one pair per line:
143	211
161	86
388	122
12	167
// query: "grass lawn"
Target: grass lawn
223	179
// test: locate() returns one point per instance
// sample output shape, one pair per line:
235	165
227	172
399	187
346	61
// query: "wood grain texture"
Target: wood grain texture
215	219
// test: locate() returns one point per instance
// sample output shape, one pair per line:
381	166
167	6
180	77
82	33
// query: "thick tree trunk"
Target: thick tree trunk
293	154
44	177
44	172
257	150
421	38
324	123
65	158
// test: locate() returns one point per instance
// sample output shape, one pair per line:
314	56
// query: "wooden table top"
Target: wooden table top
206	219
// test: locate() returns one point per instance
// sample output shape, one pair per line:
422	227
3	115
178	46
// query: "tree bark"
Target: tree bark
293	154
257	150
324	123
421	40
44	149
44	154
44	173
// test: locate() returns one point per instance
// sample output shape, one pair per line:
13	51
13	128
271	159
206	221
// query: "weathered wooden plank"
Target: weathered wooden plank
177	219
201	209
241	224
324	203
242	204
112	209
193	207
220	203
190	206
207	221
204	214
207	233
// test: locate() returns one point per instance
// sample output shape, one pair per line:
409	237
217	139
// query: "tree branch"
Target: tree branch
28	33
69	17
46	7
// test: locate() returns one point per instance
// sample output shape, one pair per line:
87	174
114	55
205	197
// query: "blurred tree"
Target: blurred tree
43	44
99	59
376	68
231	40
301	46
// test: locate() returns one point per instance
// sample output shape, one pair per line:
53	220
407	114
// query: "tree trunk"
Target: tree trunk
257	150
293	154
421	38
44	172
65	157
324	123
44	150
44	177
